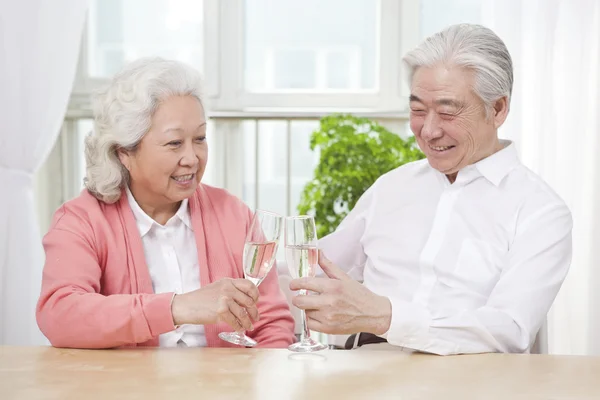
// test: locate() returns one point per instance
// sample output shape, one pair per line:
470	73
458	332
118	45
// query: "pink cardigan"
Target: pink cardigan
97	291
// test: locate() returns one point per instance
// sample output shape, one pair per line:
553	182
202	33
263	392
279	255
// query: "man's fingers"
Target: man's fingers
315	325
311	302
330	269
317	321
318	285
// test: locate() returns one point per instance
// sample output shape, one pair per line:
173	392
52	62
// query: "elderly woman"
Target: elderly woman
148	255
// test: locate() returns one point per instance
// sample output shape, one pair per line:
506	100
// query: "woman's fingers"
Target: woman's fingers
234	315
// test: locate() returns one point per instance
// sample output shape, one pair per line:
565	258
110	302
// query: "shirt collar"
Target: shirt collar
497	166
145	223
183	213
493	168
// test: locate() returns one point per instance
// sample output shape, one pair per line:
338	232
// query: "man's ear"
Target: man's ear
500	111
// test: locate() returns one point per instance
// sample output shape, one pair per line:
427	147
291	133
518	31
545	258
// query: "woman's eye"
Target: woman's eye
174	143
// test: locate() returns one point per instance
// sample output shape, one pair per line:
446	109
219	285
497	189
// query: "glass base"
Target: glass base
237	338
306	346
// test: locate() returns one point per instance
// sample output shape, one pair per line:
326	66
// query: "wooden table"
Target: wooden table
48	373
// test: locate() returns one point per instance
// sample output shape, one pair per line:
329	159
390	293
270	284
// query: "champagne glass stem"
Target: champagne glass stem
305	332
302	258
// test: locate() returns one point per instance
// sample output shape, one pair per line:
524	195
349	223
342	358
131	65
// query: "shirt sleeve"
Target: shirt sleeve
537	263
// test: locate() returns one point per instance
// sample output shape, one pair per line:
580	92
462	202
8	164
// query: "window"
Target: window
285	162
311	54
311	45
435	15
120	31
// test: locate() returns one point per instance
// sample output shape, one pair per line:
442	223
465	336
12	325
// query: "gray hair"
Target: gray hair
474	47
122	116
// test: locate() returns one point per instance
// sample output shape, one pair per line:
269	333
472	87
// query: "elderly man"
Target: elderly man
463	252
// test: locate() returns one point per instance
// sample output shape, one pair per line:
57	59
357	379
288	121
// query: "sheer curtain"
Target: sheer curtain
555	122
39	47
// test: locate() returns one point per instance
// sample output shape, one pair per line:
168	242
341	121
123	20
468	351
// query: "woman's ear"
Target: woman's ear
125	158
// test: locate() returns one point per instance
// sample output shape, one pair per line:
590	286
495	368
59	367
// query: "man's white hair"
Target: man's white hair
122	116
470	46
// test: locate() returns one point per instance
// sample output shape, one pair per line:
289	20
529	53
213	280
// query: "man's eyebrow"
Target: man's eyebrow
439	102
449	102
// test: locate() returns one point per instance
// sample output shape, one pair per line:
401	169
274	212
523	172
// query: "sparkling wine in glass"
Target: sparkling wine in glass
302	257
258	260
260	250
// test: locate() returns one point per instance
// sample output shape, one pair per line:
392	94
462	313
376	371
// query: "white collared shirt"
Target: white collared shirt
172	259
469	267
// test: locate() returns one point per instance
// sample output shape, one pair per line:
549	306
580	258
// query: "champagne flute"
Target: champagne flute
259	255
302	256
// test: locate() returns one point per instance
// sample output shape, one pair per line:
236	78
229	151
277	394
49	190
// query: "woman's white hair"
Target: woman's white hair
470	46
122	116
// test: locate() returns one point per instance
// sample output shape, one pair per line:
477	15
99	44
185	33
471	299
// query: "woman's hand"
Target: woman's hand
232	301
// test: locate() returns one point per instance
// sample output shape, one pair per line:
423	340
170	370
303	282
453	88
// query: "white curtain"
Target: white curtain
39	47
555	122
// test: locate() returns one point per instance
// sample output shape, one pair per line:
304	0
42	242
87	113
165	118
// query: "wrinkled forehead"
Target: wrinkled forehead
443	85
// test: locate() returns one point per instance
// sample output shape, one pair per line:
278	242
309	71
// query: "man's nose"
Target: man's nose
431	128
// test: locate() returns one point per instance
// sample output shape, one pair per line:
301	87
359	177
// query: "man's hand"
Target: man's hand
342	306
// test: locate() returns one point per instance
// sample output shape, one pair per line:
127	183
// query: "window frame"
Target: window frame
399	31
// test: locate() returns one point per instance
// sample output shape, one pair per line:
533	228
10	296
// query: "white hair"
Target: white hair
470	46
122	116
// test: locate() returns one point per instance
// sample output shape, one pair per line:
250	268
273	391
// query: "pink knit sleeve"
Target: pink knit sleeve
72	312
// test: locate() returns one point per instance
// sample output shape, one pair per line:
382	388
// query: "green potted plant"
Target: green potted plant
354	152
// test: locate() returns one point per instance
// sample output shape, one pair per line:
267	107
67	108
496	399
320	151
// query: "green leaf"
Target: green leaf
353	153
